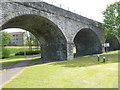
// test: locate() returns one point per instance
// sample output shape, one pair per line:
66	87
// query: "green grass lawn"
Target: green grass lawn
12	60
82	72
16	49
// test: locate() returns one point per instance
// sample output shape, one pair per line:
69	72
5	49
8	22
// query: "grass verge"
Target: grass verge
8	62
12	60
82	72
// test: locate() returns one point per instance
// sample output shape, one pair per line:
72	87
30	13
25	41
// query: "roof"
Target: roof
16	33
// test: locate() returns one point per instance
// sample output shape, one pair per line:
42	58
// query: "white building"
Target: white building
18	39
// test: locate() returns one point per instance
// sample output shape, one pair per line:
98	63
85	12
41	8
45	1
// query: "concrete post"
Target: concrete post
70	54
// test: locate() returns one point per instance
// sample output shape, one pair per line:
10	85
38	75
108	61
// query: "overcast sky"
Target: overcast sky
90	8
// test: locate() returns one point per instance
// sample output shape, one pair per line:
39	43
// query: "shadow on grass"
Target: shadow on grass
88	60
11	60
83	61
24	63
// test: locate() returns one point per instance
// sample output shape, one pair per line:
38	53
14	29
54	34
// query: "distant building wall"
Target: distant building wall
17	39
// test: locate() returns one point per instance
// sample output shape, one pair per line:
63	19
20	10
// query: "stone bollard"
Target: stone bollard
104	59
98	57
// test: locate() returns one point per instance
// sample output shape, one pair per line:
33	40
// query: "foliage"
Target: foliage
0	51
5	52
5	38
16	49
111	20
31	40
75	73
96	23
28	52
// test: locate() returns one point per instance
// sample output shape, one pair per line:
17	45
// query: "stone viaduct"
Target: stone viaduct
57	30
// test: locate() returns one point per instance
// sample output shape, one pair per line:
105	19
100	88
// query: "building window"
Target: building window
13	42
13	35
16	39
16	35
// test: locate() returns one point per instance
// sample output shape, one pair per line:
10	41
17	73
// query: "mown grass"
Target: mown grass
12	60
82	72
16	49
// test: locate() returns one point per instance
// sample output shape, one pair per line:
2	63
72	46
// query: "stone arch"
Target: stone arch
87	42
51	38
114	44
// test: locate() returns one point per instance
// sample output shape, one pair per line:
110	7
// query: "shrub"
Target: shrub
5	52
28	52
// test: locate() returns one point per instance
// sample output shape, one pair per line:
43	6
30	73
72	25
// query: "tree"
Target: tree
111	20
5	38
31	40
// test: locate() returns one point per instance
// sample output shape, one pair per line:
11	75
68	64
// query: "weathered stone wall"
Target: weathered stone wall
66	24
87	43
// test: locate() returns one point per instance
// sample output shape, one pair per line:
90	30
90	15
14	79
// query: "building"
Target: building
18	39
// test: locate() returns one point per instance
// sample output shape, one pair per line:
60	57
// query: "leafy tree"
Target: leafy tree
5	38
5	52
111	20
31	41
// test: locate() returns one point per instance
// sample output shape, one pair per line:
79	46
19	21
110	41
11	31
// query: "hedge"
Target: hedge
28	52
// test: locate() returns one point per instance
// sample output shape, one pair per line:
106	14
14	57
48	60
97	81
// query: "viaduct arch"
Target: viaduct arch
58	30
87	42
114	43
49	35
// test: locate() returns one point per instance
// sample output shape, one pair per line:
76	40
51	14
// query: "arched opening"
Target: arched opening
18	42
86	43
52	41
114	44
20	37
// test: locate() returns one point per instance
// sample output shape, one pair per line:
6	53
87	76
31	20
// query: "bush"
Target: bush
5	52
28	52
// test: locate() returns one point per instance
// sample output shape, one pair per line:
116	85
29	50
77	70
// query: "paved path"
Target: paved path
14	71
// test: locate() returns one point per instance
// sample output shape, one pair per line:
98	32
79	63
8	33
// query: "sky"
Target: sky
90	8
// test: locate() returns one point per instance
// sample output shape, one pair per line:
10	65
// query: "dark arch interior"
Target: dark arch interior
52	40
114	44
87	42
